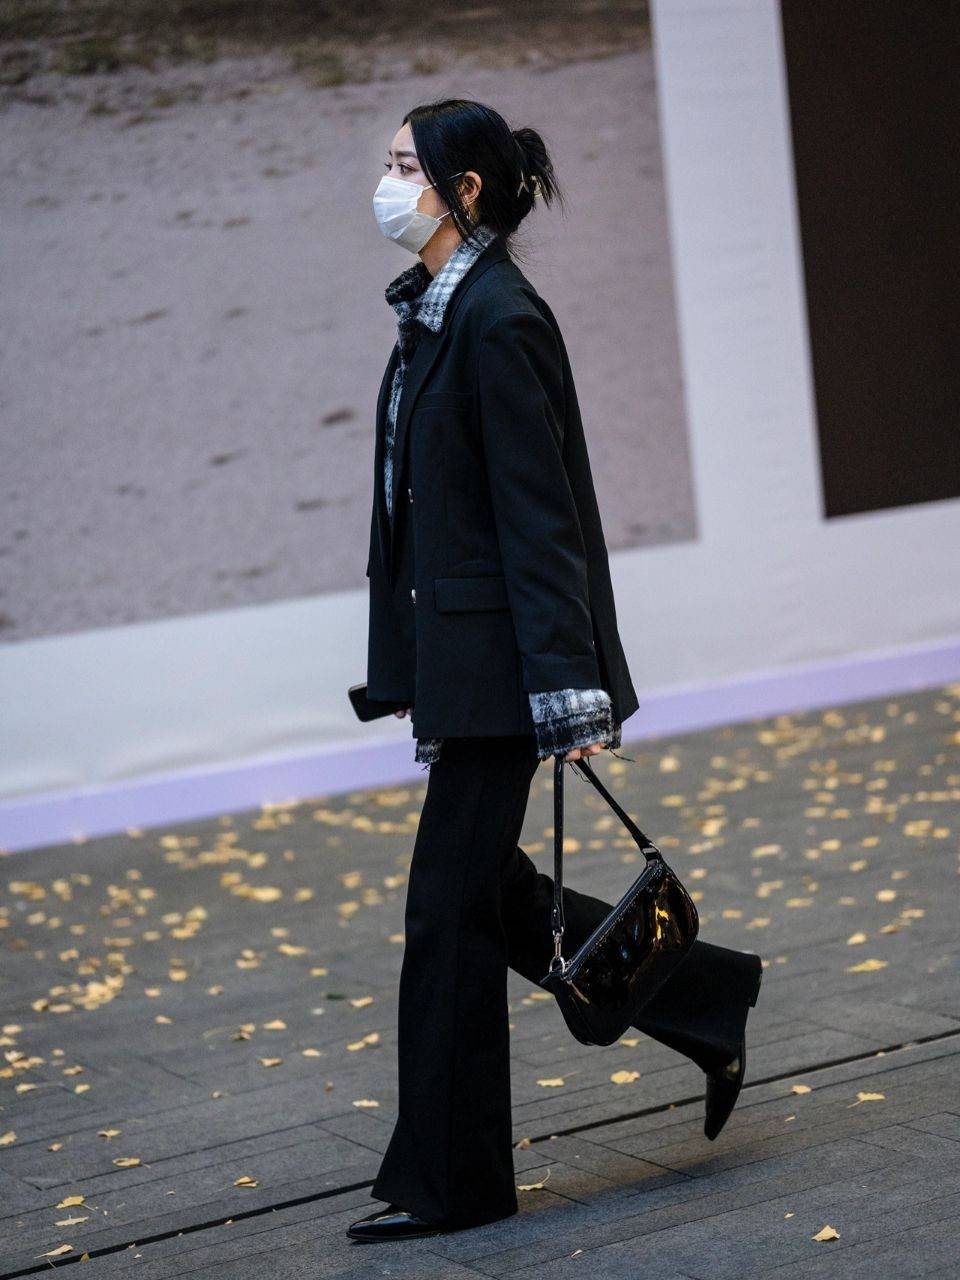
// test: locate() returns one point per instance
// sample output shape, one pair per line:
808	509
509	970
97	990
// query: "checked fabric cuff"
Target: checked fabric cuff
427	750
566	718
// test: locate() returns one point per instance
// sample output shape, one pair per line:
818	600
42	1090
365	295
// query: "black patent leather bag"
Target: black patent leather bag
603	986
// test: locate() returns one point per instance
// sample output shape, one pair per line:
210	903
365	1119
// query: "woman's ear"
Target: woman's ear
469	187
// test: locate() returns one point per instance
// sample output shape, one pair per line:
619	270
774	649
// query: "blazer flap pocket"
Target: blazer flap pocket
447	399
452	594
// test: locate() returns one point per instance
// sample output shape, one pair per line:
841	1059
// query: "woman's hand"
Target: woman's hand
576	752
401	712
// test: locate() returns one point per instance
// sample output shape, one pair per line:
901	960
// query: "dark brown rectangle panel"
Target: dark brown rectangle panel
874	92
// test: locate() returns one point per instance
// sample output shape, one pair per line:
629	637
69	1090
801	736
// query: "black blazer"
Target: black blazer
493	581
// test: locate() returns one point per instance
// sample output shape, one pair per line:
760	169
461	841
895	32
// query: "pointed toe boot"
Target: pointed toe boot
724	1084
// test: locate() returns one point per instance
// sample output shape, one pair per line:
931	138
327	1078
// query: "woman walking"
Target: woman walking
492	622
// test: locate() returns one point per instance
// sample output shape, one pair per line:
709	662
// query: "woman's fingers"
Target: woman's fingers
576	752
401	712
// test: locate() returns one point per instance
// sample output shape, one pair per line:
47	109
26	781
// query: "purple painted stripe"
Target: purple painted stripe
169	798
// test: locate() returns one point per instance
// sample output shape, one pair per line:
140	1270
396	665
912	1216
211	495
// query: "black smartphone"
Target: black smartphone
371	708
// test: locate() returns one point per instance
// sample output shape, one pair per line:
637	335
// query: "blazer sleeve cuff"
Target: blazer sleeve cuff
566	718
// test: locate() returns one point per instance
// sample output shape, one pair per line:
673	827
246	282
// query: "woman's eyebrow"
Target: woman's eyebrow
412	154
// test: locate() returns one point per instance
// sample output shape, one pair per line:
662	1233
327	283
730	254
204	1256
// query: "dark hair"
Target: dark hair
456	134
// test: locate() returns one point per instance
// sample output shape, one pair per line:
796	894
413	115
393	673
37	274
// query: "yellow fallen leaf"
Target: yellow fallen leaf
800	1088
56	1253
827	1233
360	1002
625	1077
855	939
277	1024
70	1222
70	1202
270	1062
866	966
365	1102
246	1181
765	850
370	1038
552	1082
108	1133
265	893
868	1097
7	1138
533	1186
126	1162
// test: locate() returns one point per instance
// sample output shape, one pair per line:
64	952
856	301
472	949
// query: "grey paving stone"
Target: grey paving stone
928	1250
946	1123
174	1194
675	1205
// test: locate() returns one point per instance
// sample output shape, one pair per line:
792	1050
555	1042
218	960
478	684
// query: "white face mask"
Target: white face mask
395	209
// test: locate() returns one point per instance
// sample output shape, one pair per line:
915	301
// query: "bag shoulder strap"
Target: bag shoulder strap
645	844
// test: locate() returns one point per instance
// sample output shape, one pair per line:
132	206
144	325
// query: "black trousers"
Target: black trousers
476	904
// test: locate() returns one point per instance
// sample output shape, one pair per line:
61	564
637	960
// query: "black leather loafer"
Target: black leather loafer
392	1223
724	1085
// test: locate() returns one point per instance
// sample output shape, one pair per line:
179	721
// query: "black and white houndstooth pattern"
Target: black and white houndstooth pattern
563	718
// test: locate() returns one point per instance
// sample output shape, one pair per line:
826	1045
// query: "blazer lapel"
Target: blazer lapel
380	501
421	362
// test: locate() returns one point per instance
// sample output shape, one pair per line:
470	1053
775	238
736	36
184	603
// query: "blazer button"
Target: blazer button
413	594
410	494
